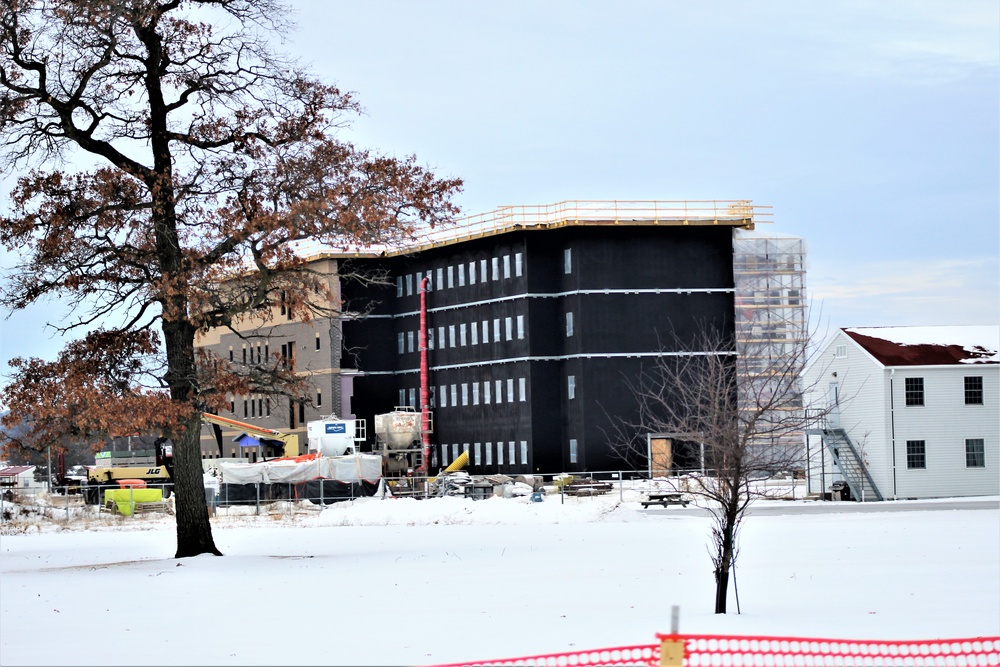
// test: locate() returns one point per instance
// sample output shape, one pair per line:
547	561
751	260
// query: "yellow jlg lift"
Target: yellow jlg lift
286	443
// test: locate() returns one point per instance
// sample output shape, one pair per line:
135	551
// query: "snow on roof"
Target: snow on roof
930	346
14	471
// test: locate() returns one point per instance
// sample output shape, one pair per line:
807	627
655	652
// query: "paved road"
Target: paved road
820	507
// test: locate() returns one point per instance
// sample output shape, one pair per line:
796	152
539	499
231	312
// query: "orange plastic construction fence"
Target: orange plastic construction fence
738	651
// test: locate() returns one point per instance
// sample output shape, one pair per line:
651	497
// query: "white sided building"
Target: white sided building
914	412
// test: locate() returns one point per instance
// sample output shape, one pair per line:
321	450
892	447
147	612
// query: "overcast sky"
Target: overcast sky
871	128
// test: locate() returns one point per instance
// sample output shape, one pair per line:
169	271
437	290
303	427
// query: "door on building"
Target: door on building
833	418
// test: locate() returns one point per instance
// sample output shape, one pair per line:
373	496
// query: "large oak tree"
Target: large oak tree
202	159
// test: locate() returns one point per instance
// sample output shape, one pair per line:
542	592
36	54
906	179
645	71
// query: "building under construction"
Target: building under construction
530	322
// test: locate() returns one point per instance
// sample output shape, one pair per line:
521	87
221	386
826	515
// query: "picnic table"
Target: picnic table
664	498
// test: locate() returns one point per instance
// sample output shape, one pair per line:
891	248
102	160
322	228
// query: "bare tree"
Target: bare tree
741	412
178	162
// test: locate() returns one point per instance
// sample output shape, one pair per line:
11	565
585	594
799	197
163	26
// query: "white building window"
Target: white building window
486	392
444	396
570	387
486	332
522	385
474	331
482	270
444	455
472	273
499	390
400	342
442	340
430	339
573	454
496	268
440	277
461	334
477	453
840	351
518	264
500	453
409	284
399	286
567	261
402	397
496	330
409	341
520	327
461	275
569	324
451	277
524	452
451	335
489	453
506	267
413	398
454	395
510	390
475	393
454	451
509	328
465	393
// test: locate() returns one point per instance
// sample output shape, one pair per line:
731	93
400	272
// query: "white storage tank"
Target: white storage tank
399	429
331	436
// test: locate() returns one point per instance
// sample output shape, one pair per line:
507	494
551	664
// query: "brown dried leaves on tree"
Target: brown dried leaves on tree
212	159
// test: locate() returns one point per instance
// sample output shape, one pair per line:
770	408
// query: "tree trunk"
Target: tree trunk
725	562
194	530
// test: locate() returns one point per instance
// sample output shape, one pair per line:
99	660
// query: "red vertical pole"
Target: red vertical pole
425	435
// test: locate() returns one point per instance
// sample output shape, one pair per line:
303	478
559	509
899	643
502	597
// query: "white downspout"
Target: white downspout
892	430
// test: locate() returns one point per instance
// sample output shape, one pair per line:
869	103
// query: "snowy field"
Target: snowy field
406	582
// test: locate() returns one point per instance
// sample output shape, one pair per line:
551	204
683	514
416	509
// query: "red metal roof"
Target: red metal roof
14	471
894	353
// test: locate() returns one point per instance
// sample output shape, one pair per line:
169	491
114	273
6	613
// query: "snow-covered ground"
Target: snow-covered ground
384	582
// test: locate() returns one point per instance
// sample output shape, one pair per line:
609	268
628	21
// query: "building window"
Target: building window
496	273
472	273
500	453
482	270
402	397
454	397
570	387
440	275
511	452
520	327
509	328
244	354
430	339
399	291
569	324
518	264
506	266
974	390
258	347
246	409
496	330
510	390
486	332
477	453
914	391
400	342
413	397
486	392
451	277
409	341
302	412
461	275
441	338
319	398
409	284
451	335
573	453
230	353
524	452
499	390
916	455
465	393
489	453
432	399
522	385
840	351
461	334
975	453
475	393
474	331
444	396
567	261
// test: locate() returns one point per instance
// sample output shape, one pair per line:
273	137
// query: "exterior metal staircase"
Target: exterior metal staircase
848	460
